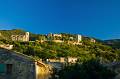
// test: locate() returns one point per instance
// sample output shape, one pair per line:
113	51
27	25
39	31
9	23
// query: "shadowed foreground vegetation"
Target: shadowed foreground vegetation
91	69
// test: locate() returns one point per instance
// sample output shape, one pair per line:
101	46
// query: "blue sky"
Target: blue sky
96	18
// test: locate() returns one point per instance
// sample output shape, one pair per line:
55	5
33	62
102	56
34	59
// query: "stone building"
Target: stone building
58	41
64	60
15	65
0	34
78	38
57	35
54	35
72	59
92	40
6	46
24	37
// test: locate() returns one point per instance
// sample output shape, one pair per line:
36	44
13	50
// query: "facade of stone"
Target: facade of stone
78	38
57	35
92	40
64	60
18	66
0	34
24	37
54	35
6	46
72	59
58	41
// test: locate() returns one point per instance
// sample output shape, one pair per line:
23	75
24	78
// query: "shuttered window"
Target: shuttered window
2	68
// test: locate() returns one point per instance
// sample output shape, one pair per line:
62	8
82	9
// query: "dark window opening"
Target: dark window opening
9	68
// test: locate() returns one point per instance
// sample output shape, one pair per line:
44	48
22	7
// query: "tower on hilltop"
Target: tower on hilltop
78	38
27	36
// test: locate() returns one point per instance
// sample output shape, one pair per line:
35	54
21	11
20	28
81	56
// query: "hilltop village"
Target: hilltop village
58	38
75	39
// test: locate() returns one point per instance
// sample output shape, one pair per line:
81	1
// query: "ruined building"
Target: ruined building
24	37
78	38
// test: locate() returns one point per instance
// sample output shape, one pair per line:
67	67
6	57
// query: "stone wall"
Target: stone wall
24	37
21	68
41	72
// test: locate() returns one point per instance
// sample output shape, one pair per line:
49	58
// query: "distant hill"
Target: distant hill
115	43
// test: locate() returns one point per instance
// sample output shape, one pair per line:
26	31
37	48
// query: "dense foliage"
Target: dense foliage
91	69
53	50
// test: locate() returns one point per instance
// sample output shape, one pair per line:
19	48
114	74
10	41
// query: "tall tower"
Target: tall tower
0	34
27	36
78	38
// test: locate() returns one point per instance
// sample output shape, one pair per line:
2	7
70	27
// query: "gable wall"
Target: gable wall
21	68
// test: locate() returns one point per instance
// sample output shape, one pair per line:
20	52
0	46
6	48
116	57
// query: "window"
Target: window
9	68
2	68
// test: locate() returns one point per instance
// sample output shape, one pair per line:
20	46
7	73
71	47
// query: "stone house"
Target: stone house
92	40
54	35
57	35
15	65
60	60
24	37
6	46
72	59
78	38
64	60
57	41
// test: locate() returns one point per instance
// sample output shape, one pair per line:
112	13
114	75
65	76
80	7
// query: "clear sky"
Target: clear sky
96	18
